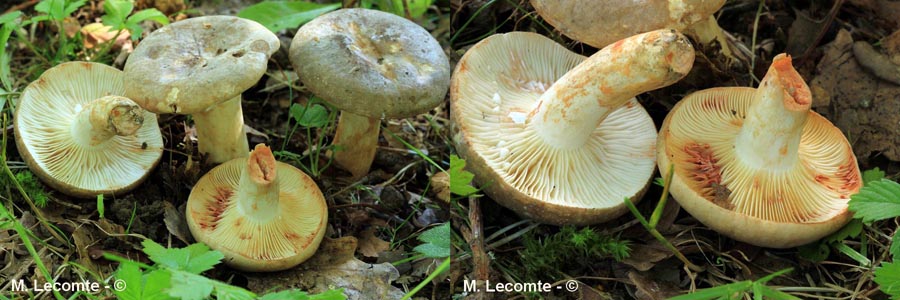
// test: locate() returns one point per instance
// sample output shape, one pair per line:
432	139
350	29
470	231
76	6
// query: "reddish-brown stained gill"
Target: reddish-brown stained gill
216	207
706	170
849	175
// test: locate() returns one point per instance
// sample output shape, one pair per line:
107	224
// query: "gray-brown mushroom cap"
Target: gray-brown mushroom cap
371	63
191	65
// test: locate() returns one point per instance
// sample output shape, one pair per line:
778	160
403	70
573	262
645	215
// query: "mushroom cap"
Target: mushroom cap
496	84
191	65
756	204
601	22
371	63
43	122
288	238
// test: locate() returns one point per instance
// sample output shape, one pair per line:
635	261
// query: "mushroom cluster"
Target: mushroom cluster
557	137
758	165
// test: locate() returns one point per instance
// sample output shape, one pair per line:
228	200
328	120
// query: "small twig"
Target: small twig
21	6
479	258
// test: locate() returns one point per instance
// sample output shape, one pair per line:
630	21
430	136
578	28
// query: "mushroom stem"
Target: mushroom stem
774	122
357	139
569	112
220	131
106	117
707	30
258	186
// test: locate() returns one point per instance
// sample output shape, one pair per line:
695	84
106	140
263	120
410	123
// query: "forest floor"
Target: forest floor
374	222
864	105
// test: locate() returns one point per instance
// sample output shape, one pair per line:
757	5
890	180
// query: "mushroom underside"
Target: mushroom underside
701	147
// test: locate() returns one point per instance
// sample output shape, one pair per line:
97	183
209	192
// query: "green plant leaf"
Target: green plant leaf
851	230
878	200
131	274
460	178
888	278
717	292
195	258
764	292
116	12
133	23
436	242
280	15
313	117
815	252
100	208
155	284
875	174
895	246
186	286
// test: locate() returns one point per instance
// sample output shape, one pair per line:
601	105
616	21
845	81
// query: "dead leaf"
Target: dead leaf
96	34
863	106
176	223
332	267
643	257
440	184
651	289
370	245
255	132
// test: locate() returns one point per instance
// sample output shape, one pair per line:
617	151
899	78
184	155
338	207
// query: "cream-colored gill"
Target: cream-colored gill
577	103
773	126
700	141
499	82
283	231
74	147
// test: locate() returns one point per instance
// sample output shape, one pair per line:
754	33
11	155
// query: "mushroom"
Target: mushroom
200	66
756	164
263	215
580	20
80	136
554	136
370	65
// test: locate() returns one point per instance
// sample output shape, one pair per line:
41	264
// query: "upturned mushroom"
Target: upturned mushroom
263	215
554	136
80	136
758	165
200	66
601	22
370	65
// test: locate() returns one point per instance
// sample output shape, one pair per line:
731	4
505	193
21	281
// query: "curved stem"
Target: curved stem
220	132
577	103
105	117
770	135
357	139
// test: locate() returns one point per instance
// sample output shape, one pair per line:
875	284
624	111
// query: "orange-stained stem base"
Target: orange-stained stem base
356	139
577	103
774	123
220	132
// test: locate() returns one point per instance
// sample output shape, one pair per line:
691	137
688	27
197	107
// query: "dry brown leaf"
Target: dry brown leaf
863	106
440	184
176	223
96	34
332	267
370	245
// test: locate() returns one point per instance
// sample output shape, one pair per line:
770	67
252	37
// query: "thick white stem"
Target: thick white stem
570	111
773	126
357	139
220	131
105	117
257	192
